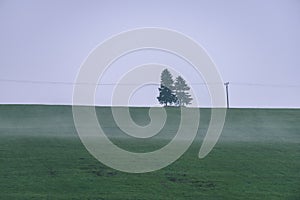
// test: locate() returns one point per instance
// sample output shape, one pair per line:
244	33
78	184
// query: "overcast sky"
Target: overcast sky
254	44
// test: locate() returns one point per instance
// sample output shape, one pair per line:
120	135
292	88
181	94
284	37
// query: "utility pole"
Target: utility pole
226	84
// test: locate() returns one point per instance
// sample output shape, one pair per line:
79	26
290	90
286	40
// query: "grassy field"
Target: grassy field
257	157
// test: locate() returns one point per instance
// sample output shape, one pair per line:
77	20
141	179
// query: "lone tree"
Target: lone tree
181	91
166	94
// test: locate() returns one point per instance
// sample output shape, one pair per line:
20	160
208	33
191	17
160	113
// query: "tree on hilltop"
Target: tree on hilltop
181	91
166	94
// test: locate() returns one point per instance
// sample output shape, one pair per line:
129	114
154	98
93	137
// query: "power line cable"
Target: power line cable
262	84
82	83
130	84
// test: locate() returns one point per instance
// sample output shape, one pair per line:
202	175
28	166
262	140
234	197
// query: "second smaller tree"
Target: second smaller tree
181	91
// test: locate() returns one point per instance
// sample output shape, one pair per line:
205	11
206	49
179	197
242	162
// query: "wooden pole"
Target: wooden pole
226	84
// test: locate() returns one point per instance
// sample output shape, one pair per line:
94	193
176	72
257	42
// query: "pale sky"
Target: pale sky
254	44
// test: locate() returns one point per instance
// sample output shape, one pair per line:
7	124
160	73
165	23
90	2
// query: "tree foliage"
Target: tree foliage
166	94
167	79
181	91
173	93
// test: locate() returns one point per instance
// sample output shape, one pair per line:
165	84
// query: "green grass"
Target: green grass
257	157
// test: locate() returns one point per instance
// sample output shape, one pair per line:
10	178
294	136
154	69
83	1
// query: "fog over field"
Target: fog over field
257	156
